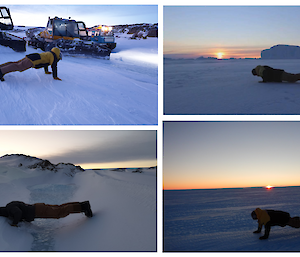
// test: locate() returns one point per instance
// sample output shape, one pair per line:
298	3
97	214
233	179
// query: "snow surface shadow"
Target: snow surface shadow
43	230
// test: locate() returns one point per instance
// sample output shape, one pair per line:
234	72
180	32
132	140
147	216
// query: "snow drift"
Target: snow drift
120	91
123	202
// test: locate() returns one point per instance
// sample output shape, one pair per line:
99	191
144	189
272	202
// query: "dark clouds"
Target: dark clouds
114	146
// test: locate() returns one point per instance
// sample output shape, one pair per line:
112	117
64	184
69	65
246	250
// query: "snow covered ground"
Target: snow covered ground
124	206
220	219
120	91
227	87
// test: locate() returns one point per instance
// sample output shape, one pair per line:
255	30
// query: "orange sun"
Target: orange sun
220	55
269	187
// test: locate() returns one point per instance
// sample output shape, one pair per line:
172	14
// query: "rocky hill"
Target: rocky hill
138	30
29	162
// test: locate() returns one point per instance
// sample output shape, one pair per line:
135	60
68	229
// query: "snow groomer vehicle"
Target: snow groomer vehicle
72	37
9	36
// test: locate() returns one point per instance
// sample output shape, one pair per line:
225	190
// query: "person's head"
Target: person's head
253	215
254	72
57	53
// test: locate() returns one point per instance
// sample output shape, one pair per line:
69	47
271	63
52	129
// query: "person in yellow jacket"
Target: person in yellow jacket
269	74
270	218
36	60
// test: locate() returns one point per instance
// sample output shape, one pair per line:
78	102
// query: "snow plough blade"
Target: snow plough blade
6	29
7	39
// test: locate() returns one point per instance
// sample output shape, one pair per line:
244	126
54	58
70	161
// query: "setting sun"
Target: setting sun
269	187
220	55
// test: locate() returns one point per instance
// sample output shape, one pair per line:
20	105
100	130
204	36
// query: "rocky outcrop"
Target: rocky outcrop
138	30
29	162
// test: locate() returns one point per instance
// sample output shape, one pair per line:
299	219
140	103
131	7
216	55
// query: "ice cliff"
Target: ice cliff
281	52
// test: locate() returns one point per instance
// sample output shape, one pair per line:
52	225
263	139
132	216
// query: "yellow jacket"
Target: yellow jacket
46	57
259	70
43	60
262	216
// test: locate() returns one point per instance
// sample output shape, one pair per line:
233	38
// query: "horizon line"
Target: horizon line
225	188
212	58
143	167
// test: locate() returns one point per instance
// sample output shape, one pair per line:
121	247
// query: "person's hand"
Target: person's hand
48	72
57	78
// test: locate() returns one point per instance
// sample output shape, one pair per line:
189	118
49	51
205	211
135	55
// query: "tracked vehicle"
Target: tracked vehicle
8	35
72	37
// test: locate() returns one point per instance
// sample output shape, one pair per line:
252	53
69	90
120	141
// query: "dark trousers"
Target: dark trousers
47	211
20	65
294	222
289	77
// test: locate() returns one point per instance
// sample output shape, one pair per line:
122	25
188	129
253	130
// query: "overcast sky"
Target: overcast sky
37	15
87	148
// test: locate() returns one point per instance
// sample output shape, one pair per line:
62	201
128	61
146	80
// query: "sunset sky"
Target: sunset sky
87	148
228	31
90	14
200	155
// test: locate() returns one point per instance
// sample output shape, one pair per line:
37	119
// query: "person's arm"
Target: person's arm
259	228
16	214
54	71
267	74
267	231
46	70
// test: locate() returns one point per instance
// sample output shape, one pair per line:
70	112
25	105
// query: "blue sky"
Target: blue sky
87	148
37	15
231	154
237	31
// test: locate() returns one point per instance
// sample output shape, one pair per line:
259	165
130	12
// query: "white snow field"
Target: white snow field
220	219
120	91
123	203
227	87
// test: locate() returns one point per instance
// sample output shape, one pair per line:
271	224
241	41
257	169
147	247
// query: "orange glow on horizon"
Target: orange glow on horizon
218	186
238	53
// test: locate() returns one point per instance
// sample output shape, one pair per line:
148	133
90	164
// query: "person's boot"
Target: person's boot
294	222
1	76
86	208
